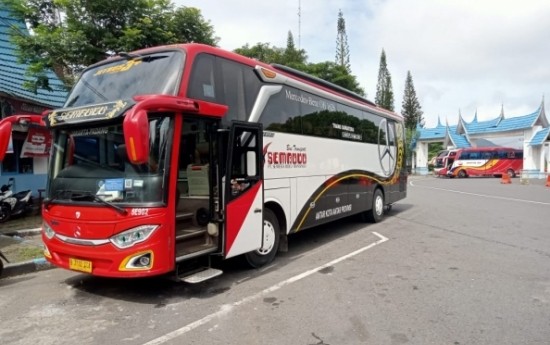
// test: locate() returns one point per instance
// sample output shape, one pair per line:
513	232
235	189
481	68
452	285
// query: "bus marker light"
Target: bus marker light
268	73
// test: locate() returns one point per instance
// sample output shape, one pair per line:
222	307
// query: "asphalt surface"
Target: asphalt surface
457	262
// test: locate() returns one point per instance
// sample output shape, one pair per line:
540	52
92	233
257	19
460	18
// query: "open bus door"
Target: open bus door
244	189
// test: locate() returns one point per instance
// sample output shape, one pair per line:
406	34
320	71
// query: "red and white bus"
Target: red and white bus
486	161
165	157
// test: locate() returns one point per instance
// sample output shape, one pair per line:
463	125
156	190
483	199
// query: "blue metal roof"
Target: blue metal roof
539	137
459	140
439	132
12	73
501	124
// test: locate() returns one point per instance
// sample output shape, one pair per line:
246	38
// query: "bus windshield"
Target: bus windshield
91	163
157	73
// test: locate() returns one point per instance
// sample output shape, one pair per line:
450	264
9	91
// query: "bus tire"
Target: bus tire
462	174
511	173
267	252
376	213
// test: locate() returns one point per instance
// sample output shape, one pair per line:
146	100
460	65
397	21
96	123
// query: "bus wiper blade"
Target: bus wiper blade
96	197
56	196
144	58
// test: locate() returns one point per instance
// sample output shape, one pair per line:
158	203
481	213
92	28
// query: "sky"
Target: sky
465	56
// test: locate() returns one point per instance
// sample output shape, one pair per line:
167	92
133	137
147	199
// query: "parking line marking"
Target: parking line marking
484	195
225	309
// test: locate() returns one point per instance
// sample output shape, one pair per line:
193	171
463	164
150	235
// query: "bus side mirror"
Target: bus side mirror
136	136
5	135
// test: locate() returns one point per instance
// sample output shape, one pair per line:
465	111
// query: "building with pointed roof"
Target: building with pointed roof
26	172
529	132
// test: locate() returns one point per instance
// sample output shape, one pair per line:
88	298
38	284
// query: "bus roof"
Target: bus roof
193	49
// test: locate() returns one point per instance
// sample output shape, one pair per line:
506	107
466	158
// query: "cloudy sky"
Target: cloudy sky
464	55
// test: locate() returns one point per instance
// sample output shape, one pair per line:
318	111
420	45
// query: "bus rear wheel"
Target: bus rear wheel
511	173
376	213
267	252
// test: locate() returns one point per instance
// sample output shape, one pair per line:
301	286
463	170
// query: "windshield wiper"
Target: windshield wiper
96	197
56	196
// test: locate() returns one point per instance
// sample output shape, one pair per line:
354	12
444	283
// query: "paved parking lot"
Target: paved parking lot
461	261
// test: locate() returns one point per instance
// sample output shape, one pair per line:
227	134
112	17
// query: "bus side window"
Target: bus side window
202	79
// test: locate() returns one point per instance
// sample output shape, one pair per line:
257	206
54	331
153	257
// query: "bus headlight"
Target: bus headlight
48	230
133	236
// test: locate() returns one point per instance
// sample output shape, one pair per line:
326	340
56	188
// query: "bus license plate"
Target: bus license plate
80	265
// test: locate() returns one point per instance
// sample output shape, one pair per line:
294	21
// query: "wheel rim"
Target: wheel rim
269	239
379	205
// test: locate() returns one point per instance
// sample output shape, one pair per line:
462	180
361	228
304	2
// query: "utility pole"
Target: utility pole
299	24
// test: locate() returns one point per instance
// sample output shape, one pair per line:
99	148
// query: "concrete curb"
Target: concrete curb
11	270
25	267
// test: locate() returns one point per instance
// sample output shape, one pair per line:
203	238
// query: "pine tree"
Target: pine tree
411	110
342	47
384	89
291	55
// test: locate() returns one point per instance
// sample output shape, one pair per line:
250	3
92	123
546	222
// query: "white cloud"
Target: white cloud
464	55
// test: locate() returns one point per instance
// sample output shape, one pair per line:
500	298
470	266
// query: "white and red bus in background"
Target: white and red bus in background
486	161
166	157
443	162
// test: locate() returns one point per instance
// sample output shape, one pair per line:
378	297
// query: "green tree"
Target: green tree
411	110
288	56
335	74
68	35
342	47
263	52
384	89
292	56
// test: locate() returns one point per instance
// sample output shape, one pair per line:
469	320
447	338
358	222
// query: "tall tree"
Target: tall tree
293	57
342	47
335	74
384	89
68	35
411	110
328	71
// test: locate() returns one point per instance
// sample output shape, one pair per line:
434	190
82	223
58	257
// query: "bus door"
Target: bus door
196	191
244	192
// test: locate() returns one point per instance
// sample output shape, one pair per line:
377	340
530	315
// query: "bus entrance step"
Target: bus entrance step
200	275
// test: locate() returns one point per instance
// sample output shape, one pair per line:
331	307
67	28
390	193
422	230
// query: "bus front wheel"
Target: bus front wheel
462	174
270	243
376	213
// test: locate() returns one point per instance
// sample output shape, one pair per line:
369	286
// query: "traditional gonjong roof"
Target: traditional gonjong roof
460	134
459	140
539	137
12	73
438	132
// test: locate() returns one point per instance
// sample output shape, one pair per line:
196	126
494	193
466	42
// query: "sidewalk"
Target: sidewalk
21	243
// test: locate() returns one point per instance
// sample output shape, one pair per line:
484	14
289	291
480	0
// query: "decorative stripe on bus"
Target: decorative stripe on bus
330	210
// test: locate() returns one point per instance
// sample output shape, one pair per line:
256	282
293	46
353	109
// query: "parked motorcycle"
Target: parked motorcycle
14	204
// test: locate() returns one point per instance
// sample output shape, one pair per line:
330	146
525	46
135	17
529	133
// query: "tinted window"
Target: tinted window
227	82
202	84
281	114
122	79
